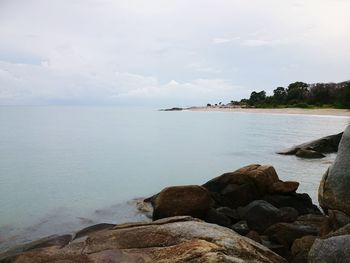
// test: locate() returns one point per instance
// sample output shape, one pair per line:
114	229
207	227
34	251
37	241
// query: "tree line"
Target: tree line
302	95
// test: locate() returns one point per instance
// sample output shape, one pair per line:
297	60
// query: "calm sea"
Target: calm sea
62	168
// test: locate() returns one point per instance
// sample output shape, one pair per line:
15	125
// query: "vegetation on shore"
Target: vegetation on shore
301	95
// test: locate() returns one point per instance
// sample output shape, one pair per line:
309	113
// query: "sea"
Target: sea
66	167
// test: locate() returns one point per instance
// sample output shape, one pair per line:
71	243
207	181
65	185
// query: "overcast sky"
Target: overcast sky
167	52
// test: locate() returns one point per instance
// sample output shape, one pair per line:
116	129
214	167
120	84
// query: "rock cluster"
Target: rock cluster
174	239
316	148
252	201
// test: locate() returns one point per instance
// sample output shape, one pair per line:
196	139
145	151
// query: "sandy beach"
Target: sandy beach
326	112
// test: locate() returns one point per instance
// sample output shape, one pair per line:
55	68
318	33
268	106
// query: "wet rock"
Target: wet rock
334	188
213	216
260	215
284	187
180	239
241	227
309	154
301	202
328	144
286	233
192	200
330	250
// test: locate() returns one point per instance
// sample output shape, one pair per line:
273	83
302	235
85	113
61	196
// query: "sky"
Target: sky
167	52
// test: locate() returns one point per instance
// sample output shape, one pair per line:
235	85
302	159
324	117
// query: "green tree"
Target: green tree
257	97
297	92
280	95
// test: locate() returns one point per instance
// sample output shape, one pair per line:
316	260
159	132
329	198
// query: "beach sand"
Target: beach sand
326	112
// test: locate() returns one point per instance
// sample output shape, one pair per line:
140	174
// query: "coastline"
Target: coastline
298	111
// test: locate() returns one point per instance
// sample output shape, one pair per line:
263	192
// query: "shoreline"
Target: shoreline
298	111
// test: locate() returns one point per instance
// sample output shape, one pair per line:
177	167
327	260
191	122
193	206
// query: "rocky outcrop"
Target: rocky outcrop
176	239
316	148
252	201
334	188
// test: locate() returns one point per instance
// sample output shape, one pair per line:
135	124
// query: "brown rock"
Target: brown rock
191	200
284	187
286	233
253	235
302	244
242	186
179	239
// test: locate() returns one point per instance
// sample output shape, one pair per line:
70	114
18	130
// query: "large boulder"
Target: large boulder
189	200
328	144
242	186
331	250
287	233
260	215
301	202
334	188
179	239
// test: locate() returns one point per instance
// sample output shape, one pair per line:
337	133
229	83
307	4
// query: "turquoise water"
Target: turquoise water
64	167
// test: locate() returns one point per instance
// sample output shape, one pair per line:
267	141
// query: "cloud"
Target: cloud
107	51
36	84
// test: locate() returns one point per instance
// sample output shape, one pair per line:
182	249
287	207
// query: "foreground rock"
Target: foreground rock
334	188
177	239
316	148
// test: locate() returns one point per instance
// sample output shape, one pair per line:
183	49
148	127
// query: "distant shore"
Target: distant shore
320	111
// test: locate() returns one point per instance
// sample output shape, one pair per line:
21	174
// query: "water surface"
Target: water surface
64	167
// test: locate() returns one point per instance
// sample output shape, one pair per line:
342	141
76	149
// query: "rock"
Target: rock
234	195
288	214
334	188
260	215
230	213
328	144
284	187
191	200
242	186
173	109
345	230
54	240
253	235
309	154
213	216
179	239
331	250
91	229
241	227
286	233
300	249
338	219
301	202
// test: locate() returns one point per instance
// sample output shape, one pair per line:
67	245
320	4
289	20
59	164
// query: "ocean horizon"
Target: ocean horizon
63	167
